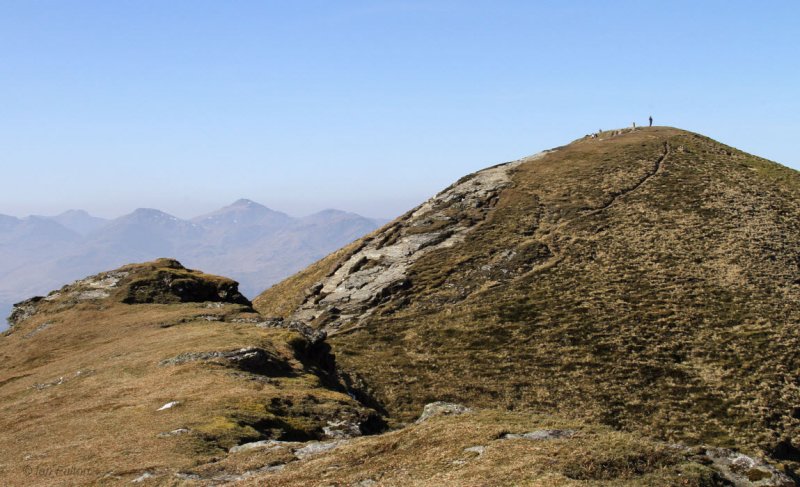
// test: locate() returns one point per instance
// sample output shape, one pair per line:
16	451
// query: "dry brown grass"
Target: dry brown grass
601	288
673	311
102	424
79	400
433	454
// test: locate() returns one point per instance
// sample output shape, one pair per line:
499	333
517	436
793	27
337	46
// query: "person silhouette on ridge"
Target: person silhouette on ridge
651	120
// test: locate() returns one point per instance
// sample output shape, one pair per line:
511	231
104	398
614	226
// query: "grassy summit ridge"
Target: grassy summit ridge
648	280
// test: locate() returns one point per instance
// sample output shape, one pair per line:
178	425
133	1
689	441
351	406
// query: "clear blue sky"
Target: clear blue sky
368	106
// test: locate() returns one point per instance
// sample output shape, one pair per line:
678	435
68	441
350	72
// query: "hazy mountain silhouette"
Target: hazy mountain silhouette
245	240
79	221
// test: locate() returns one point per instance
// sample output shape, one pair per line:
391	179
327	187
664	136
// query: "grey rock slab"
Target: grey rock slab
177	432
380	268
476	449
342	429
317	447
142	478
264	445
439	408
744	471
38	329
540	435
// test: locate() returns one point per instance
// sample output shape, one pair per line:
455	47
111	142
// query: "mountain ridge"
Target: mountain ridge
79	221
41	252
619	311
645	259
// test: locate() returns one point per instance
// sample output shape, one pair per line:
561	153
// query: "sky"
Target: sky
365	106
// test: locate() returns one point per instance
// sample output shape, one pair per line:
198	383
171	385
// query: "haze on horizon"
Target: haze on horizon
368	107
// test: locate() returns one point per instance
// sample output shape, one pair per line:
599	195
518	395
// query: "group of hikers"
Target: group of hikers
617	132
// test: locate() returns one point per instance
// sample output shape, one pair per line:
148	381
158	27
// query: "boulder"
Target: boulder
440	408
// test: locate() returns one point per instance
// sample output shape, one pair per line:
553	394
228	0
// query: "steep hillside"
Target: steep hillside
155	374
648	280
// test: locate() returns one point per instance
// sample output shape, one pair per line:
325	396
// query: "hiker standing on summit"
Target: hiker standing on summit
651	120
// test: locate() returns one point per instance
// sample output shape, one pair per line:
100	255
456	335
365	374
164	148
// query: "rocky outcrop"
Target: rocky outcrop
540	435
249	359
342	429
379	269
24	310
440	408
744	471
167	281
163	281
313	335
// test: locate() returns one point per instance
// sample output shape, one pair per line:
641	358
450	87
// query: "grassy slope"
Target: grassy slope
104	421
673	311
435	453
82	381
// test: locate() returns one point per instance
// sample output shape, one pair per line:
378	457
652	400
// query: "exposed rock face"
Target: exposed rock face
342	429
540	435
163	281
169	282
440	408
263	444
744	471
379	268
316	447
250	359
24	310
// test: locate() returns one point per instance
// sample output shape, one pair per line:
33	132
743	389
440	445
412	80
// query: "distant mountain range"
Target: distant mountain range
248	241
